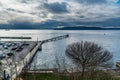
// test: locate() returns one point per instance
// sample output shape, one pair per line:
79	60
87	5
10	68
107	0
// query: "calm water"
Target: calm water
46	58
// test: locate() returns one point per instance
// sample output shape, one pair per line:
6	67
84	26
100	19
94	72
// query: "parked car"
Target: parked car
10	54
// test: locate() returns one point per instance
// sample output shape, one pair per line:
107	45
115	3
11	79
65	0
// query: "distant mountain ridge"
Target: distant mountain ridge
85	28
57	25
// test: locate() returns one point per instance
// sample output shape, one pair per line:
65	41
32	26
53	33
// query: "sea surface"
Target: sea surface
109	39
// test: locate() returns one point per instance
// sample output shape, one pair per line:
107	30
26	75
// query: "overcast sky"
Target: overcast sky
67	11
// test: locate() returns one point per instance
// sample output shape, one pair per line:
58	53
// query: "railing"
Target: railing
55	39
51	40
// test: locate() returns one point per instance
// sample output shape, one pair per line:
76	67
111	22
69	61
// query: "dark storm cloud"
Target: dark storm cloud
56	7
92	1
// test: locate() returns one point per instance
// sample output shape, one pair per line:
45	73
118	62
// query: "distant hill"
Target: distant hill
57	25
85	28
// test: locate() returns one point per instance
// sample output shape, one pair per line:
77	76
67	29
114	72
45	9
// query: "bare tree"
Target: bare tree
88	55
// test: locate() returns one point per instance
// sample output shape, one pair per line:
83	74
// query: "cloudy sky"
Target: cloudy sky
44	13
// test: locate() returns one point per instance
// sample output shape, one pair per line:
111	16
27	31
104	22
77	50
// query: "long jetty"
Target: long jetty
15	38
51	40
55	38
25	61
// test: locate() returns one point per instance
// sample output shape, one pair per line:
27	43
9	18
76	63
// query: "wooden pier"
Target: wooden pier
40	43
51	40
55	38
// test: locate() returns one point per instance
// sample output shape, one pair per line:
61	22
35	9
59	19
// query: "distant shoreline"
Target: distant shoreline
68	28
86	28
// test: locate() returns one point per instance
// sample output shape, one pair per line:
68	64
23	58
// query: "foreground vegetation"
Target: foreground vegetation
72	76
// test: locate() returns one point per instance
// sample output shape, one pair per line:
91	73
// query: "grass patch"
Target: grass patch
51	76
39	76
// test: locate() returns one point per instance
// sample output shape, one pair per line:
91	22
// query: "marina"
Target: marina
15	56
21	54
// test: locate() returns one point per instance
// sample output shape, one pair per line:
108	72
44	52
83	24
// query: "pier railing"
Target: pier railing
51	40
55	39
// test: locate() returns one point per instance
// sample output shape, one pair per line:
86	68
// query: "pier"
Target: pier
24	54
55	39
51	40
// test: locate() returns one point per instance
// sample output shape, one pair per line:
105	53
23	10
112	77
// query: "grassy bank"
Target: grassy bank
42	76
51	76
